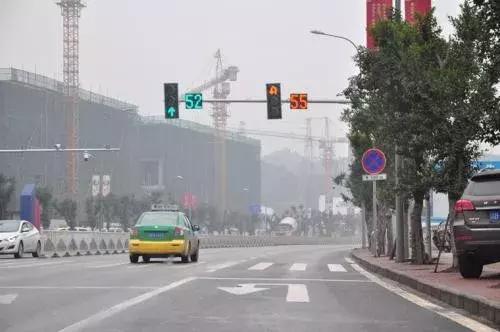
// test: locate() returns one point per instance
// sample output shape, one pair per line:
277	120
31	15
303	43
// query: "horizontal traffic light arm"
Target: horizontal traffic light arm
284	101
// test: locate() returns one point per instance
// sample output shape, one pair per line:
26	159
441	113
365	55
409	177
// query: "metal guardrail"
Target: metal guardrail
68	243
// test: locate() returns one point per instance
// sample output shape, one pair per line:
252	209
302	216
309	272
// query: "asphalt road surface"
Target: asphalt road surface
288	288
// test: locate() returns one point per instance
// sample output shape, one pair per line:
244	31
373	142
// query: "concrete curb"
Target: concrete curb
475	305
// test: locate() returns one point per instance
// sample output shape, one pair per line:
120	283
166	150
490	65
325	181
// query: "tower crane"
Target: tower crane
221	89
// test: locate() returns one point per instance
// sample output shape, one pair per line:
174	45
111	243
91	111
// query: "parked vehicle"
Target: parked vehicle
18	237
476	229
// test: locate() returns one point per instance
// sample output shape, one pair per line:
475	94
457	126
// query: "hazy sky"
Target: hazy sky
128	48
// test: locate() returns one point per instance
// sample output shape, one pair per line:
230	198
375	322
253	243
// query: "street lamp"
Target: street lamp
401	243
356	47
321	33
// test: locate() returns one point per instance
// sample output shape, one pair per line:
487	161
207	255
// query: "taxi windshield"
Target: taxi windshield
158	218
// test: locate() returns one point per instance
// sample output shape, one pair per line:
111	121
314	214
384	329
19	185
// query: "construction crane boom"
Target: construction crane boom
228	74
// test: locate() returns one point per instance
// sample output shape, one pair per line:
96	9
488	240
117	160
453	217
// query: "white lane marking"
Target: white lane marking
298	267
102	315
288	279
34	265
451	315
221	266
336	268
349	260
7	298
260	266
76	287
106	265
297	293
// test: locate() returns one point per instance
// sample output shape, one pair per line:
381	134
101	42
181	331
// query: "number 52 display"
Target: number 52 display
194	101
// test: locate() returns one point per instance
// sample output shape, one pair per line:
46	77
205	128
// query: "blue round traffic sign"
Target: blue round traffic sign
373	161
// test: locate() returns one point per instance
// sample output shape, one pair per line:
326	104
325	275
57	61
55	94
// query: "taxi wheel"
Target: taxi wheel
146	259
185	258
194	257
38	251
20	251
134	258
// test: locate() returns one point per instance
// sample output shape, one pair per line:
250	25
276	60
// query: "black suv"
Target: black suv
477	224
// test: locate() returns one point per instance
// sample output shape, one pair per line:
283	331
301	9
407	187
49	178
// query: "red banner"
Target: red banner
376	10
413	7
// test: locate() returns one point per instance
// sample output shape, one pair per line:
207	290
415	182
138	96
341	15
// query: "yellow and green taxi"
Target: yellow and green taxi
164	232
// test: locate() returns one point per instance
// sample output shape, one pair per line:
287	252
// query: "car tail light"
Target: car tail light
464	205
134	232
178	231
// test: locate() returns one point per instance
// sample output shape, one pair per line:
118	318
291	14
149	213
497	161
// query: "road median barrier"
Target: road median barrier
78	243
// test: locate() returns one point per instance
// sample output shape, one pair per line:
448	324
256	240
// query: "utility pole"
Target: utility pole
400	238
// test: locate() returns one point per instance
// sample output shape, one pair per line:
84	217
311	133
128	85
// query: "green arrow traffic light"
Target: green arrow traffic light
171	113
171	94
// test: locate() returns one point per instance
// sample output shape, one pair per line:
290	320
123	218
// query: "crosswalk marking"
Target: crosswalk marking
217	267
298	267
336	268
260	266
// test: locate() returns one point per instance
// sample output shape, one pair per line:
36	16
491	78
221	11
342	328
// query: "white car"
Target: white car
18	237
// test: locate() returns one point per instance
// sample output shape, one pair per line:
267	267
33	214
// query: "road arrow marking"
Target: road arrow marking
296	292
242	289
7	298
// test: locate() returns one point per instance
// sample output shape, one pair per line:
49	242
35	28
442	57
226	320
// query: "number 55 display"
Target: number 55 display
298	101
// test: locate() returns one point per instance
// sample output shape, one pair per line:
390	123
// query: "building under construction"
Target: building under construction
173	157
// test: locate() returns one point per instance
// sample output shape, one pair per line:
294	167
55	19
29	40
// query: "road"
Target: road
286	288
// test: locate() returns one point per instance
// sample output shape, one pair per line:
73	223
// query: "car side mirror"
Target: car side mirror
196	228
25	230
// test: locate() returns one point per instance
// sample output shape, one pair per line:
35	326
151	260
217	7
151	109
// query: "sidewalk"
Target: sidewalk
478	296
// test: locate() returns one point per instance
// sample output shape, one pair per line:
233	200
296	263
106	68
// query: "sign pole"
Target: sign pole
363	225
375	220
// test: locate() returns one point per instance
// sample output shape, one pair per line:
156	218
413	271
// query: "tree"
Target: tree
488	13
124	210
467	104
7	188
67	210
45	197
391	104
91	209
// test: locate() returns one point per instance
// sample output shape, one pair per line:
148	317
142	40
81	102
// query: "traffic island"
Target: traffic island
480	297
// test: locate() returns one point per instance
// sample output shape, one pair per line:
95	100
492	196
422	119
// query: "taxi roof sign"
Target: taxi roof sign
164	207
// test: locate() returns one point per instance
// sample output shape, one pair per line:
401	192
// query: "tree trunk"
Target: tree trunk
369	228
390	238
417	240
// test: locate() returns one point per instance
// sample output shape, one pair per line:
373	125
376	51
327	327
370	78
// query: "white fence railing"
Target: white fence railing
56	244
